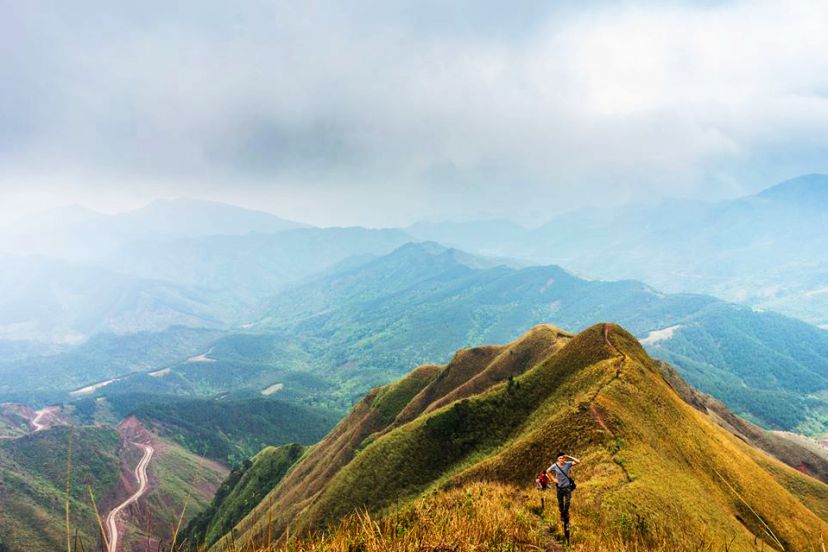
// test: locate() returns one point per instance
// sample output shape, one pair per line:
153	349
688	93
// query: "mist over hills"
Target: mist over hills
767	250
150	285
77	233
59	301
361	324
206	332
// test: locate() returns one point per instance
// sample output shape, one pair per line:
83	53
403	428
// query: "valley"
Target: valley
218	380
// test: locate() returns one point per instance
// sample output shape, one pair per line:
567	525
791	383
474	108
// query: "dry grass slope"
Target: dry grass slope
657	473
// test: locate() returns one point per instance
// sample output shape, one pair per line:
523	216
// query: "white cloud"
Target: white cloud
380	115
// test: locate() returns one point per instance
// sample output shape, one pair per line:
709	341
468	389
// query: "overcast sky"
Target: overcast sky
381	113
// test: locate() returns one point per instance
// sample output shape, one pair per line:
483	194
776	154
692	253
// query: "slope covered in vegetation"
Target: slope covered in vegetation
229	430
656	470
243	489
35	473
363	326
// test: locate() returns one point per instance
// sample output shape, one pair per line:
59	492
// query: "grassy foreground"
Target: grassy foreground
657	473
489	517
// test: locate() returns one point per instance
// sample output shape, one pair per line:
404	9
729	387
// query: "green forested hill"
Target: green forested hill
33	482
329	340
48	377
421	302
227	430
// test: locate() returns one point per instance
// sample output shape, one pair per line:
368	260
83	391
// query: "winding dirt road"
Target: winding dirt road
37	421
141	477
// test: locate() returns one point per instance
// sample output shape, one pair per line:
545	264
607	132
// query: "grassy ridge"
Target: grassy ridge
372	417
656	470
243	489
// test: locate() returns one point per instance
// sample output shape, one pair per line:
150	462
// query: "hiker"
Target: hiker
564	485
542	482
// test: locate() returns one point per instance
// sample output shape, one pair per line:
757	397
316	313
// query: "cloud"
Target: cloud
382	112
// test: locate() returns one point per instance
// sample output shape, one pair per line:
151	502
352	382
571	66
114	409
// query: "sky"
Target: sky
383	113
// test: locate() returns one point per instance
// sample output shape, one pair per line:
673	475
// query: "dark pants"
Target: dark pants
564	498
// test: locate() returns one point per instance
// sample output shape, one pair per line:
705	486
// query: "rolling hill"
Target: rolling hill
33	485
766	250
226	430
80	234
35	468
159	281
423	301
421	455
51	377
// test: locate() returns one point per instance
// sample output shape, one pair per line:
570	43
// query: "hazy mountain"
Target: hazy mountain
253	266
81	234
59	301
360	325
150	285
465	440
767	250
178	218
486	237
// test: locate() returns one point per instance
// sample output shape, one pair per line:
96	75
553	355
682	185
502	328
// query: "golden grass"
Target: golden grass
657	474
483	516
647	482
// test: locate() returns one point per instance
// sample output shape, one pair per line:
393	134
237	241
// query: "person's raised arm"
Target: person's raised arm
575	461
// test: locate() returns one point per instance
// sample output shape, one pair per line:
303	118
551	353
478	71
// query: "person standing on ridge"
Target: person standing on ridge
564	485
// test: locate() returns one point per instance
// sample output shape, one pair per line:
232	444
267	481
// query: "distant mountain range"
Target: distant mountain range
767	250
151	285
329	313
359	325
77	233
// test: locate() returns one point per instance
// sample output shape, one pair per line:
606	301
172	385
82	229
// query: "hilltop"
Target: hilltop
656	470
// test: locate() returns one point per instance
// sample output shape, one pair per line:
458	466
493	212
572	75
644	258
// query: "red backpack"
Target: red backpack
542	481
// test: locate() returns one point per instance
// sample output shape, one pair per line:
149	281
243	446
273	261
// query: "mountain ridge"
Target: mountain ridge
598	396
